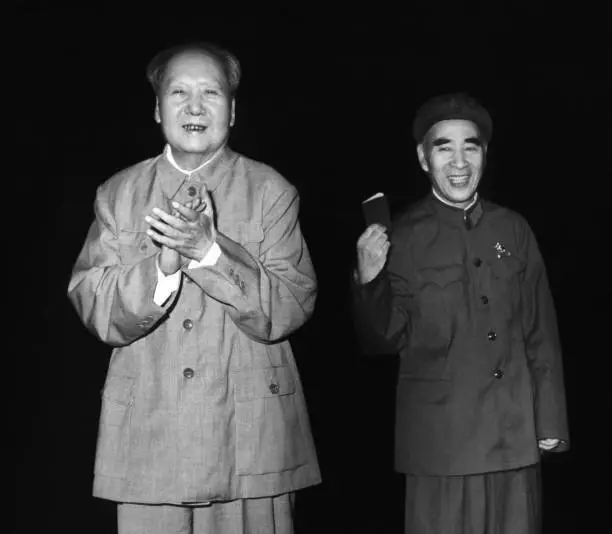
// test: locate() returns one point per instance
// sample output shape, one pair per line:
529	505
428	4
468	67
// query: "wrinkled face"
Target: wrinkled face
194	108
453	155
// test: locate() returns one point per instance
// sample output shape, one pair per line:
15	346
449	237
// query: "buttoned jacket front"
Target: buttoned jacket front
202	400
465	301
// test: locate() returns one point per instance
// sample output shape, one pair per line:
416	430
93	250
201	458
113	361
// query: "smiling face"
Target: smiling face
453	155
194	108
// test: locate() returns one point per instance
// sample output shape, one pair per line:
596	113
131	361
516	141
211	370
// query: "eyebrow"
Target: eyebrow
445	140
441	141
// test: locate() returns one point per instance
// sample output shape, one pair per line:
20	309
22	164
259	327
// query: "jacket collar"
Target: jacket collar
210	174
467	218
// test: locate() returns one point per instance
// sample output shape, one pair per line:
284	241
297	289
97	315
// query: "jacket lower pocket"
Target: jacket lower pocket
269	437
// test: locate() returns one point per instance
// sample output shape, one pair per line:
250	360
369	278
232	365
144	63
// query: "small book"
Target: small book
376	210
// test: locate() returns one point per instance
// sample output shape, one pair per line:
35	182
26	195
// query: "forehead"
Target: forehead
194	65
455	130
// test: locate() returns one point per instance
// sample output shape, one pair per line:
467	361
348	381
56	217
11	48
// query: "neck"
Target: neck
461	205
191	162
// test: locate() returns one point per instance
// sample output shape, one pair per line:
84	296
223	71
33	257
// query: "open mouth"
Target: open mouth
194	128
459	180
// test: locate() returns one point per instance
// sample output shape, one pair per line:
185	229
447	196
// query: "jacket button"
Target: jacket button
484	299
187	324
492	335
192	191
477	262
274	389
498	373
188	372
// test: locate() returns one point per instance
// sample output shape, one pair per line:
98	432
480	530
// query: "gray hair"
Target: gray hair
156	68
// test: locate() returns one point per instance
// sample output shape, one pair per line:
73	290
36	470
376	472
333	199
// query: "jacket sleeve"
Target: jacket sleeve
543	347
114	300
381	307
271	295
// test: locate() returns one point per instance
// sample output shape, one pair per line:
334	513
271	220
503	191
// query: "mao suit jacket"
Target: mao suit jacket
464	299
202	401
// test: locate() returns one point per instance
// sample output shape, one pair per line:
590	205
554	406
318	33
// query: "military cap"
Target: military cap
448	107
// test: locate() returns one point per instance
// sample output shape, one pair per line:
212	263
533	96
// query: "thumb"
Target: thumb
205	195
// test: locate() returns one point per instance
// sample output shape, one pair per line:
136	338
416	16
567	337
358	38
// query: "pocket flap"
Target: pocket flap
260	383
250	232
439	276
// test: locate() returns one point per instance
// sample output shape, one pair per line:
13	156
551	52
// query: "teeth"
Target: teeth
459	180
194	127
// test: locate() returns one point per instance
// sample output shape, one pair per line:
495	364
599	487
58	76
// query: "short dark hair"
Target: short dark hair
156	68
452	106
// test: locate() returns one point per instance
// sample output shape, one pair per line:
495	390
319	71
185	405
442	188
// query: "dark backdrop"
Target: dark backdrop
327	99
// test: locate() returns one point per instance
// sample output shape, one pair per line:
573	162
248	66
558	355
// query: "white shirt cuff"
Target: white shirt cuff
211	258
166	285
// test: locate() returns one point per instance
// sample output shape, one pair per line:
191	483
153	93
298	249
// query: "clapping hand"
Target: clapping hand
188	233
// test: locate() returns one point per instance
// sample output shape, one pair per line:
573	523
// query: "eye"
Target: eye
178	91
472	148
444	148
213	92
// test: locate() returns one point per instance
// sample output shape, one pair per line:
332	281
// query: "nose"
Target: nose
194	106
459	159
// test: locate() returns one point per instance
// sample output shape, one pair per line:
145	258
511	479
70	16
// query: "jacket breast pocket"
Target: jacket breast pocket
507	275
269	437
134	245
250	235
114	434
508	267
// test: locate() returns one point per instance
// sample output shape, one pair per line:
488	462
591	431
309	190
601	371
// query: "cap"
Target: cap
448	107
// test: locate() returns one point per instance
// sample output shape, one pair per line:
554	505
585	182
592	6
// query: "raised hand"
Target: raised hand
190	232
372	249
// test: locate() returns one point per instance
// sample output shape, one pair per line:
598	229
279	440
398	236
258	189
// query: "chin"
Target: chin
195	147
459	198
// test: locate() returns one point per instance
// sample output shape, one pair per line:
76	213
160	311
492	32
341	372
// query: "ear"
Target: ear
422	158
156	113
233	113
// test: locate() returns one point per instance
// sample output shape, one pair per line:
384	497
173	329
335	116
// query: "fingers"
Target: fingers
166	224
188	212
208	205
161	239
198	204
374	237
548	444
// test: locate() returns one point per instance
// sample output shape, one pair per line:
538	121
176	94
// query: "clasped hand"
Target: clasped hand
189	232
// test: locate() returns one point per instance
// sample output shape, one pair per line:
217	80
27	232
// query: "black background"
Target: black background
327	99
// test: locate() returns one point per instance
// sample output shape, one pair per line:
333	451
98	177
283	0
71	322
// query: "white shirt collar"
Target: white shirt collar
170	158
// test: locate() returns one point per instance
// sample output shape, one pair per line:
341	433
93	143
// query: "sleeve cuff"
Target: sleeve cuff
166	285
211	258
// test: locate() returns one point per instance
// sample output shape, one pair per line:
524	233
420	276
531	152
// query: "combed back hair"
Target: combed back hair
156	69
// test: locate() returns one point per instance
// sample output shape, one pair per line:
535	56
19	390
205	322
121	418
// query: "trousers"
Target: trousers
504	502
269	515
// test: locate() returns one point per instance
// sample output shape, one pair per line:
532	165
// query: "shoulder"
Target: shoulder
127	180
413	219
504	217
261	175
